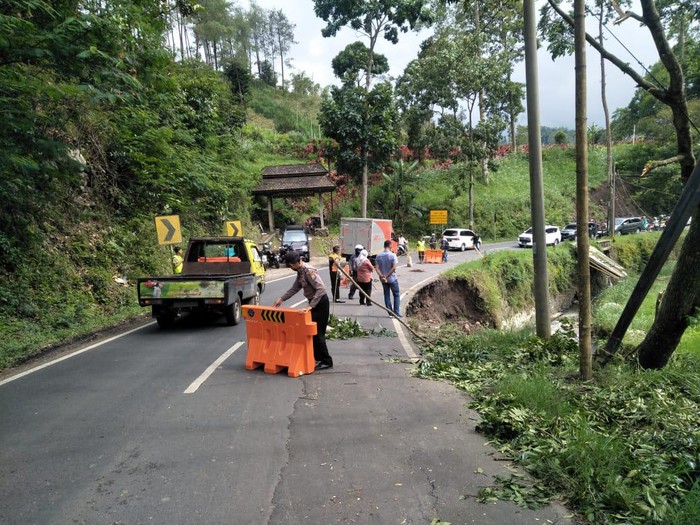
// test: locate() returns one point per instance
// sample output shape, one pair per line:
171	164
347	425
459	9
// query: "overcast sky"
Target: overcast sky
313	55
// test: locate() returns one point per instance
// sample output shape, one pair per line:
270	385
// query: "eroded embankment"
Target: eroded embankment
454	300
449	300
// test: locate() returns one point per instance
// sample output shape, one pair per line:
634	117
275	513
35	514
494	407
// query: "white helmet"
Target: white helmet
359	247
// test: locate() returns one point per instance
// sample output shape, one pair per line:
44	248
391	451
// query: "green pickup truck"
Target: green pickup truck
218	275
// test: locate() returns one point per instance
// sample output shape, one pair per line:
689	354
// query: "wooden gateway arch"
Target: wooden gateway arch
294	180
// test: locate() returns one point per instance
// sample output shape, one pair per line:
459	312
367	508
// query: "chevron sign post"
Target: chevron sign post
168	229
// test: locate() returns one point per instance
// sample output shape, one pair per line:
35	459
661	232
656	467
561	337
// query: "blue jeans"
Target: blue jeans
392	288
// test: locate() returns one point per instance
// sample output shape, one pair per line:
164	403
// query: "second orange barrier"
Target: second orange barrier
433	256
279	338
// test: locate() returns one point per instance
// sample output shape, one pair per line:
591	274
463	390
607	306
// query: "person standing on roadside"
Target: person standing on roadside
310	281
476	240
386	264
352	263
444	245
364	277
421	250
333	263
177	260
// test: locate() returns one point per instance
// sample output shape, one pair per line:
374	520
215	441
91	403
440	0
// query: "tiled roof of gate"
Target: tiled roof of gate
294	180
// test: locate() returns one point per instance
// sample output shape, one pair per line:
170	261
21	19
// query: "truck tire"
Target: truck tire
255	299
233	312
164	318
165	321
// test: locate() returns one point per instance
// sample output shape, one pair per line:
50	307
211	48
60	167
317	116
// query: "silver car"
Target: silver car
625	225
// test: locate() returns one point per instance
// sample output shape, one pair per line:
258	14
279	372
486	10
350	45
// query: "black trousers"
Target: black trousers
353	288
319	315
367	287
335	285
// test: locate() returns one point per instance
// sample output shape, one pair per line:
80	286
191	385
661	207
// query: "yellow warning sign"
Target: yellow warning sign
168	229
438	216
275	316
234	229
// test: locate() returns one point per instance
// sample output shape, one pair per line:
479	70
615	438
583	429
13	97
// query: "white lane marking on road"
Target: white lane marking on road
209	371
403	340
77	352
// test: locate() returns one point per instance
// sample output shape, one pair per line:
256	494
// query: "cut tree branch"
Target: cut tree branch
624	15
653	164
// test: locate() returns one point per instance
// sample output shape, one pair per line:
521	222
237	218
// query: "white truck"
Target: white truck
370	233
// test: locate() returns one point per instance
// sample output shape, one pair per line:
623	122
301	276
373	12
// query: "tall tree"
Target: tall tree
372	18
283	34
453	77
360	121
399	191
257	25
682	297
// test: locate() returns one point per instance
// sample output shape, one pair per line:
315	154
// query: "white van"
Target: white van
459	238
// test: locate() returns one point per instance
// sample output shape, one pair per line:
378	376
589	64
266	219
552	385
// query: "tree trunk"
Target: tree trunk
610	219
681	300
363	211
582	257
471	196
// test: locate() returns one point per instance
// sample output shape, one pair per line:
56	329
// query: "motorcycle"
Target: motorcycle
270	258
401	250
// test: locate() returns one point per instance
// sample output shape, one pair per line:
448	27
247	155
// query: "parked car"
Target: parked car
295	238
552	236
459	238
625	225
568	232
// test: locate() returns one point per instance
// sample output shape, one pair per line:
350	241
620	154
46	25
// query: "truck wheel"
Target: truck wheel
255	299
233	312
164	318
165	321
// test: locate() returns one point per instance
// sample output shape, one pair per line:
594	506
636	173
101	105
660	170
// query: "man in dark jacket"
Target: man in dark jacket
310	281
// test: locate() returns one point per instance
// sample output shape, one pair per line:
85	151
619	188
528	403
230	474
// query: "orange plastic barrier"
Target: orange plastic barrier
279	338
344	282
433	256
218	259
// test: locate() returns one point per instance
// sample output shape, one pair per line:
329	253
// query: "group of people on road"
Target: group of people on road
309	280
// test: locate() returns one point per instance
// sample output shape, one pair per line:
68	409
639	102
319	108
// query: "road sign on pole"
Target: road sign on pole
168	229
438	216
234	229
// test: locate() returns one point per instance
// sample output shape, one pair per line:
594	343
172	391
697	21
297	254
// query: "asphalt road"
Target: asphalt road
167	426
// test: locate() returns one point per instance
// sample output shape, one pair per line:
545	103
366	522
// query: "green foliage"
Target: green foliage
345	328
288	112
361	122
354	59
616	449
633	251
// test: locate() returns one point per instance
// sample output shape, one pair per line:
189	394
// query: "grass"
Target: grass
617	449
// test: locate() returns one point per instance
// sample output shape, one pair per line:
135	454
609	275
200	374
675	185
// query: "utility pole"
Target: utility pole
582	260
539	244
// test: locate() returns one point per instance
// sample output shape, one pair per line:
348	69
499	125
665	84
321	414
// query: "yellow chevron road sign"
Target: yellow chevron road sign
168	229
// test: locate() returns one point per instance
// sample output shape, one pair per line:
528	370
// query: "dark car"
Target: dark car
625	225
568	232
295	238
